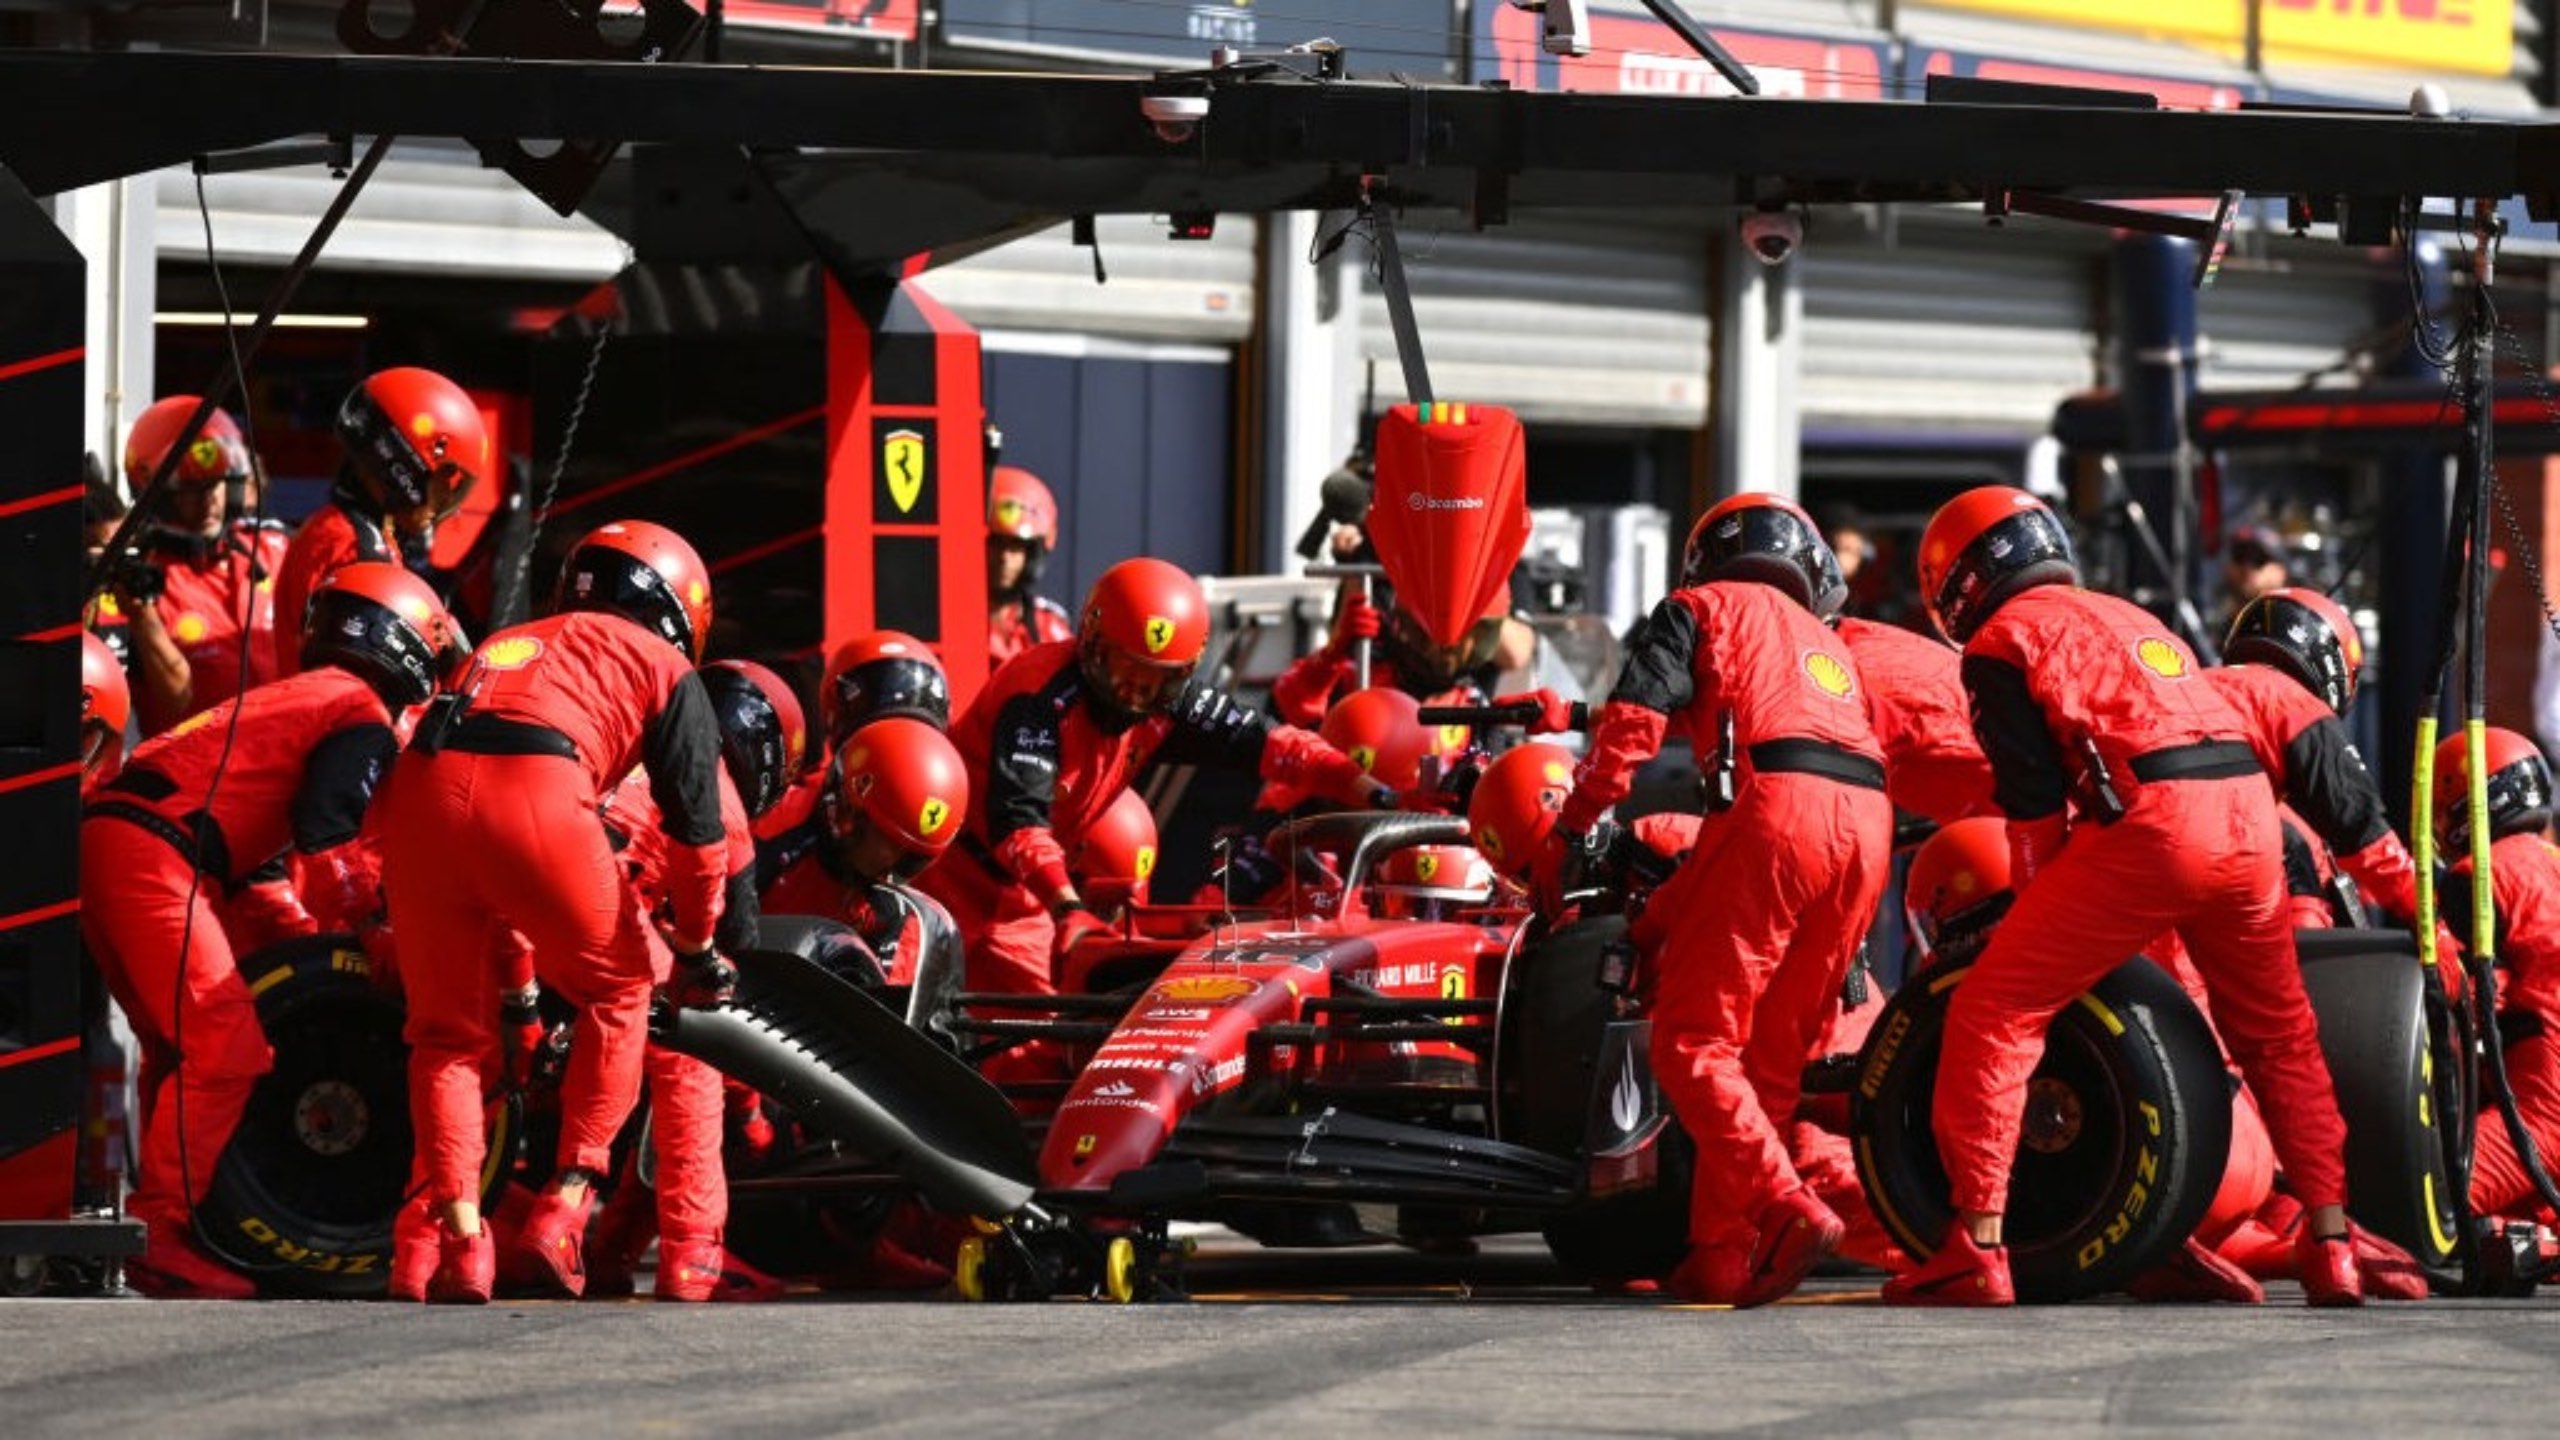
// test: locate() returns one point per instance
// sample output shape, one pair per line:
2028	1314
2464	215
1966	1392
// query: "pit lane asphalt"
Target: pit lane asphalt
1337	1343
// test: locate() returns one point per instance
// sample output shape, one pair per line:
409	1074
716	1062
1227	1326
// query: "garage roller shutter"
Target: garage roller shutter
1159	289
427	211
1600	322
2266	328
1942	327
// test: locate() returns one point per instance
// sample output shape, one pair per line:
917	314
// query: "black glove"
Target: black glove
703	981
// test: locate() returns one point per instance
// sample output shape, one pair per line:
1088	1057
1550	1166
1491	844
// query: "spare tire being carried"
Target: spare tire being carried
303	1197
2127	1128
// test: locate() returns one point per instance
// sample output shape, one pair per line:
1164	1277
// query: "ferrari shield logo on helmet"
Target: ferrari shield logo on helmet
1364	756
1146	861
902	465
1159	634
206	454
1489	842
1008	513
929	820
2161	658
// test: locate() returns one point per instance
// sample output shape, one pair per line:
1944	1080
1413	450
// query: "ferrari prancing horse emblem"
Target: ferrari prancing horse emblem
902	464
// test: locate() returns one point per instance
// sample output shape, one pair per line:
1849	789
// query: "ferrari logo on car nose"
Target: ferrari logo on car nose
1453	984
1160	634
902	462
929	821
2161	658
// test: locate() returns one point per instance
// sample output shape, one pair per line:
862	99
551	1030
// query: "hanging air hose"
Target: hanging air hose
2464	623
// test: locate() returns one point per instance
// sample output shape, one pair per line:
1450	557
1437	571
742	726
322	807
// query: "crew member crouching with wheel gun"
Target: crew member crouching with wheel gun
1754	934
2072	689
2524	885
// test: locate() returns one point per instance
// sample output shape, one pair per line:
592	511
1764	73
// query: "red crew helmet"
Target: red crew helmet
1019	507
2519	787
376	620
1754	536
1516	803
106	705
646	574
1984	546
764	739
901	794
1145	625
215	455
417	442
878	674
1959	882
1380	728
2306	635
1117	854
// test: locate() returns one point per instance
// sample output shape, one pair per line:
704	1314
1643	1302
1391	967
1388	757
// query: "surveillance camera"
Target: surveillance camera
1567	25
1174	116
1773	235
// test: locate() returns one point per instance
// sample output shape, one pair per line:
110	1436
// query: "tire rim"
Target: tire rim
330	1117
2053	1117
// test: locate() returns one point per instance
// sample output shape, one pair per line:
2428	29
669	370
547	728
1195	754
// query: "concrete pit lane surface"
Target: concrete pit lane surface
1362	1342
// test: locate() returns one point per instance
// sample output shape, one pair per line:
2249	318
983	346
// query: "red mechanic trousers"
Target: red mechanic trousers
475	845
2202	858
686	1111
1748	944
172	969
2499	1185
1009	940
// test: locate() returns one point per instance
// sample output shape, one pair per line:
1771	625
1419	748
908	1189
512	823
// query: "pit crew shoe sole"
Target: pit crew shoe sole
2327	1267
1796	1232
1961	1274
2197	1274
551	1254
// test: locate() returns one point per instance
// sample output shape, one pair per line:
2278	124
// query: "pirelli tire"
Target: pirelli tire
1553	1068
2375	1011
304	1196
2127	1129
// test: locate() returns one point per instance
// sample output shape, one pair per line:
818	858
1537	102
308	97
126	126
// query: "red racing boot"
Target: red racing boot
1796	1231
466	1266
621	1234
2197	1274
2388	1272
1962	1273
172	1267
1709	1275
2326	1265
414	1251
693	1271
552	1251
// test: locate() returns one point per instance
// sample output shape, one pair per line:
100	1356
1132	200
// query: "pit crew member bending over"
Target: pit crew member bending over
288	766
2075	690
493	826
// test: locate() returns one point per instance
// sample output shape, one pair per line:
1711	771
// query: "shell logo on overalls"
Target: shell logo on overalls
513	653
2161	658
1829	676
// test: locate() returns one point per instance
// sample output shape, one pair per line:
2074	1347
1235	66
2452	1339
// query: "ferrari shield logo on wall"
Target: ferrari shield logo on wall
902	463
